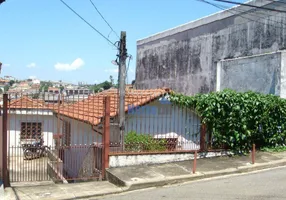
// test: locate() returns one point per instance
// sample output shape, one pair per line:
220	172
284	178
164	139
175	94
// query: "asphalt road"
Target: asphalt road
270	184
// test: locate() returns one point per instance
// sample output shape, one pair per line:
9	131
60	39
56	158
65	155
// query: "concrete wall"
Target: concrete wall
283	75
260	73
185	58
131	160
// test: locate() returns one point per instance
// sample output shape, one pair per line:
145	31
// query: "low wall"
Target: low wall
130	160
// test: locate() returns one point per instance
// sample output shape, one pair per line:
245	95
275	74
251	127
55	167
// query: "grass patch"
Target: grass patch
274	149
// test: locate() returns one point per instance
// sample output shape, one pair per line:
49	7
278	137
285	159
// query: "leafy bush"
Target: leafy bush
238	120
142	142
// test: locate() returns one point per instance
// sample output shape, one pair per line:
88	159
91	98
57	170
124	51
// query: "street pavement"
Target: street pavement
155	176
262	185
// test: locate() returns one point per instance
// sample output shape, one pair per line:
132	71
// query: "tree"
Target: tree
6	88
111	80
62	88
11	82
1	91
35	96
133	82
106	85
46	88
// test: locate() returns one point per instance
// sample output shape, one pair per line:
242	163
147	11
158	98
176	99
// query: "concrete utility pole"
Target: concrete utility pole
122	75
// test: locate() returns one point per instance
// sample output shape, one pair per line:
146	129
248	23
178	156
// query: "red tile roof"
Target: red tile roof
91	110
27	103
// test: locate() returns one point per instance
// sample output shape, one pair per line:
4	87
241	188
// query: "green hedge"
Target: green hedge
143	143
238	120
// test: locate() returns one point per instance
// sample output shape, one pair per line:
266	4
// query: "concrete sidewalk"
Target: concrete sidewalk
138	177
49	190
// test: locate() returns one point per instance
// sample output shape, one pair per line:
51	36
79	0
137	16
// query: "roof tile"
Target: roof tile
91	110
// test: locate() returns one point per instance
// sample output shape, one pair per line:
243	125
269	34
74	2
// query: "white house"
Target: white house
29	119
147	112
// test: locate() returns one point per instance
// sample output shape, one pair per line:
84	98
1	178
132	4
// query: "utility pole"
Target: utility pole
122	75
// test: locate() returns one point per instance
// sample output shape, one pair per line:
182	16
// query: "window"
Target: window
31	130
66	133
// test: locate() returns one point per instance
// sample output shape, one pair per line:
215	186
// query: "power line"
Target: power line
220	7
130	58
103	17
277	1
249	5
88	23
244	12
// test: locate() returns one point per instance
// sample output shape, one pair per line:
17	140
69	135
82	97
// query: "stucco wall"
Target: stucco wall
82	133
185	58
283	75
131	160
260	73
14	128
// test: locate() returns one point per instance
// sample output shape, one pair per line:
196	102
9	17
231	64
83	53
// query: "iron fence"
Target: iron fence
69	128
154	124
28	164
80	132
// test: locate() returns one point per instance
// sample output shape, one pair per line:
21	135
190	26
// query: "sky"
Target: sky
43	39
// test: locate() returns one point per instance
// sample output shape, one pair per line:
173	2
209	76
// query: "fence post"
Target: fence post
4	149
253	154
195	162
106	135
203	137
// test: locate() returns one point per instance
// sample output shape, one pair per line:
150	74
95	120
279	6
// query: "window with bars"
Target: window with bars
31	130
66	133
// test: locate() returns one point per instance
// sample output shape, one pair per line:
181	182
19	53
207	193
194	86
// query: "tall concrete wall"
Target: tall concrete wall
185	58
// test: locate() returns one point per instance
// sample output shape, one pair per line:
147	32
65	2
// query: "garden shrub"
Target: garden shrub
237	119
141	142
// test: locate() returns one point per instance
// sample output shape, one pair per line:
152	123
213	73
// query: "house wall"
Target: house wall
82	133
157	119
49	126
167	121
185	58
82	139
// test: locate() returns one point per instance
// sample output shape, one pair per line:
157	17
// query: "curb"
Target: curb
126	186
192	177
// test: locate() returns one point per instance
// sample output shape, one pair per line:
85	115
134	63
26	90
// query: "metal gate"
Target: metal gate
54	137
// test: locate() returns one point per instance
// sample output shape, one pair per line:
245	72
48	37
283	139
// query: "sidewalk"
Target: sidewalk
49	190
138	177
